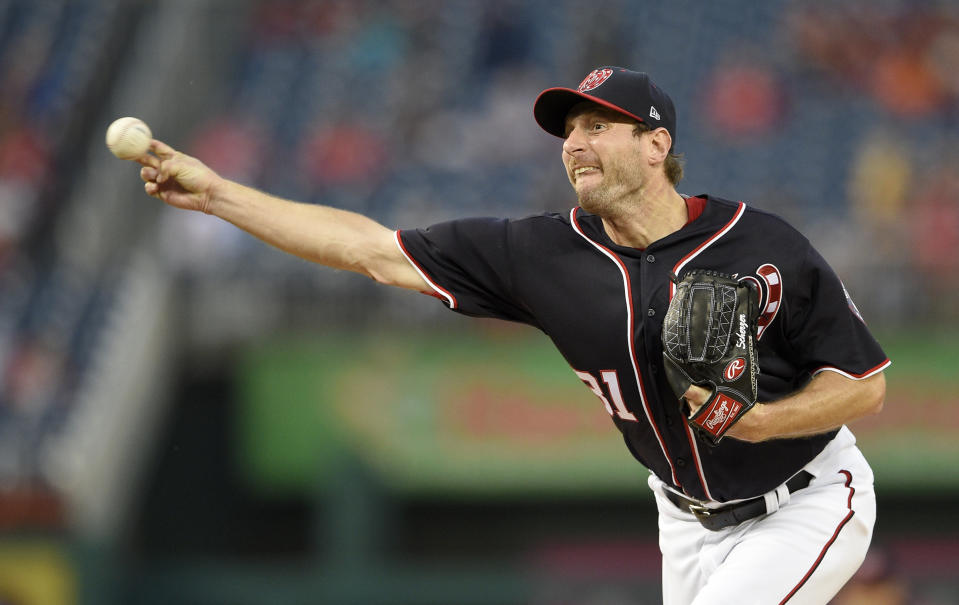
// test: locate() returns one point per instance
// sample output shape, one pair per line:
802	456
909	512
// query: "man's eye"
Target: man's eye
599	126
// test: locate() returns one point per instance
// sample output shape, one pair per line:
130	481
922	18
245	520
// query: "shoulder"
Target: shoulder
488	234
548	226
546	233
752	218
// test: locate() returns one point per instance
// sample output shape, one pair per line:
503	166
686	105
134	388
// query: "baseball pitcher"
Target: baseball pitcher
725	349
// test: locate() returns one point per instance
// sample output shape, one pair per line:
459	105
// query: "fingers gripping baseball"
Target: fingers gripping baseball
177	179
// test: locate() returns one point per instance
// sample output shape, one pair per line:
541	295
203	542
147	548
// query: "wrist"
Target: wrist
216	193
751	426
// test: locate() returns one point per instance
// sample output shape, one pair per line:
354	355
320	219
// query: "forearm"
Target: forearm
336	238
331	237
826	403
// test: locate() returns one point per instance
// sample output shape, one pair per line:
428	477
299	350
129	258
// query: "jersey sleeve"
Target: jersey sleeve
469	264
827	329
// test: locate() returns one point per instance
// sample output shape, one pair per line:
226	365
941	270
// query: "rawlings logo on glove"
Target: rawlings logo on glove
702	346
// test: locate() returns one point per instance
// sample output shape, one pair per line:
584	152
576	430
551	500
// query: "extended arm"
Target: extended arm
827	402
328	236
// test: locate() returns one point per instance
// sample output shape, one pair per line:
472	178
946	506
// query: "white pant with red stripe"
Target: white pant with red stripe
801	554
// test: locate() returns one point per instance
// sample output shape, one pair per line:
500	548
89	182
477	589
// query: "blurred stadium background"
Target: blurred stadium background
187	416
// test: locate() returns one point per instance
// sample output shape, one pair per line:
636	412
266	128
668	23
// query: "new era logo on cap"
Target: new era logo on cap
631	93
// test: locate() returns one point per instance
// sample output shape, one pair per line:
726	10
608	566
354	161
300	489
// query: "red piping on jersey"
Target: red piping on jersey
699	466
672	290
629	338
440	293
879	368
831	540
682	262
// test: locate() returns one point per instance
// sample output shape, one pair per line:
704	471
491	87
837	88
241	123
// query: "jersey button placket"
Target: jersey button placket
669	417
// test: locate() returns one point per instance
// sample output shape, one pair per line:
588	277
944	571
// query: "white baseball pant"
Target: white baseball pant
801	554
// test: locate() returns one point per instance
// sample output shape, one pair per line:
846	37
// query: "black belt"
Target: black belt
732	514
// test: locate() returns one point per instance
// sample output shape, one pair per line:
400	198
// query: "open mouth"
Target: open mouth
584	170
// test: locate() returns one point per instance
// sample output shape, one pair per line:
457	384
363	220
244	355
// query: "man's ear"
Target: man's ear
661	143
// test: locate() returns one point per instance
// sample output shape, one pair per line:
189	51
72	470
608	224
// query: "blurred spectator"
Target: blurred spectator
742	99
905	83
904	59
343	151
942	58
840	40
291	22
24	156
880	177
16	210
234	146
934	228
904	79
24	165
32	376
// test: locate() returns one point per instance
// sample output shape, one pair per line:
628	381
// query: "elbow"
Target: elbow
378	276
877	393
366	261
401	275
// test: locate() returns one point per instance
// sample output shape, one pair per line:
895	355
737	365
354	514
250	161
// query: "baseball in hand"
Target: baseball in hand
128	138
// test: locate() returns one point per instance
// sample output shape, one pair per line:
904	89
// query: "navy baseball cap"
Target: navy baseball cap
631	93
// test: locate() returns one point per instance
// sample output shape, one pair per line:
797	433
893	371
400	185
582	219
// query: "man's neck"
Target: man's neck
647	218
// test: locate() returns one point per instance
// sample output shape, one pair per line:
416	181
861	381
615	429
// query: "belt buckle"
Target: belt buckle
699	511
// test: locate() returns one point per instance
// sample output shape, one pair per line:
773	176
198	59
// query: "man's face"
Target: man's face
603	156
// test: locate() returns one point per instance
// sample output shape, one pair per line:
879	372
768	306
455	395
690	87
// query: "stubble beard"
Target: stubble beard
597	200
620	184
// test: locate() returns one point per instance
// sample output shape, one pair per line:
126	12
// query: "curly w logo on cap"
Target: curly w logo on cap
594	79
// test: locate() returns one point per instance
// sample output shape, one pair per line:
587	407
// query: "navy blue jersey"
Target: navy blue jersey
603	304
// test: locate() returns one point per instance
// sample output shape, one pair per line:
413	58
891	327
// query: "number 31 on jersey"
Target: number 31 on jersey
617	408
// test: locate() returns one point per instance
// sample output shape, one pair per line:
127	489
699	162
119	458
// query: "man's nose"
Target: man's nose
574	142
